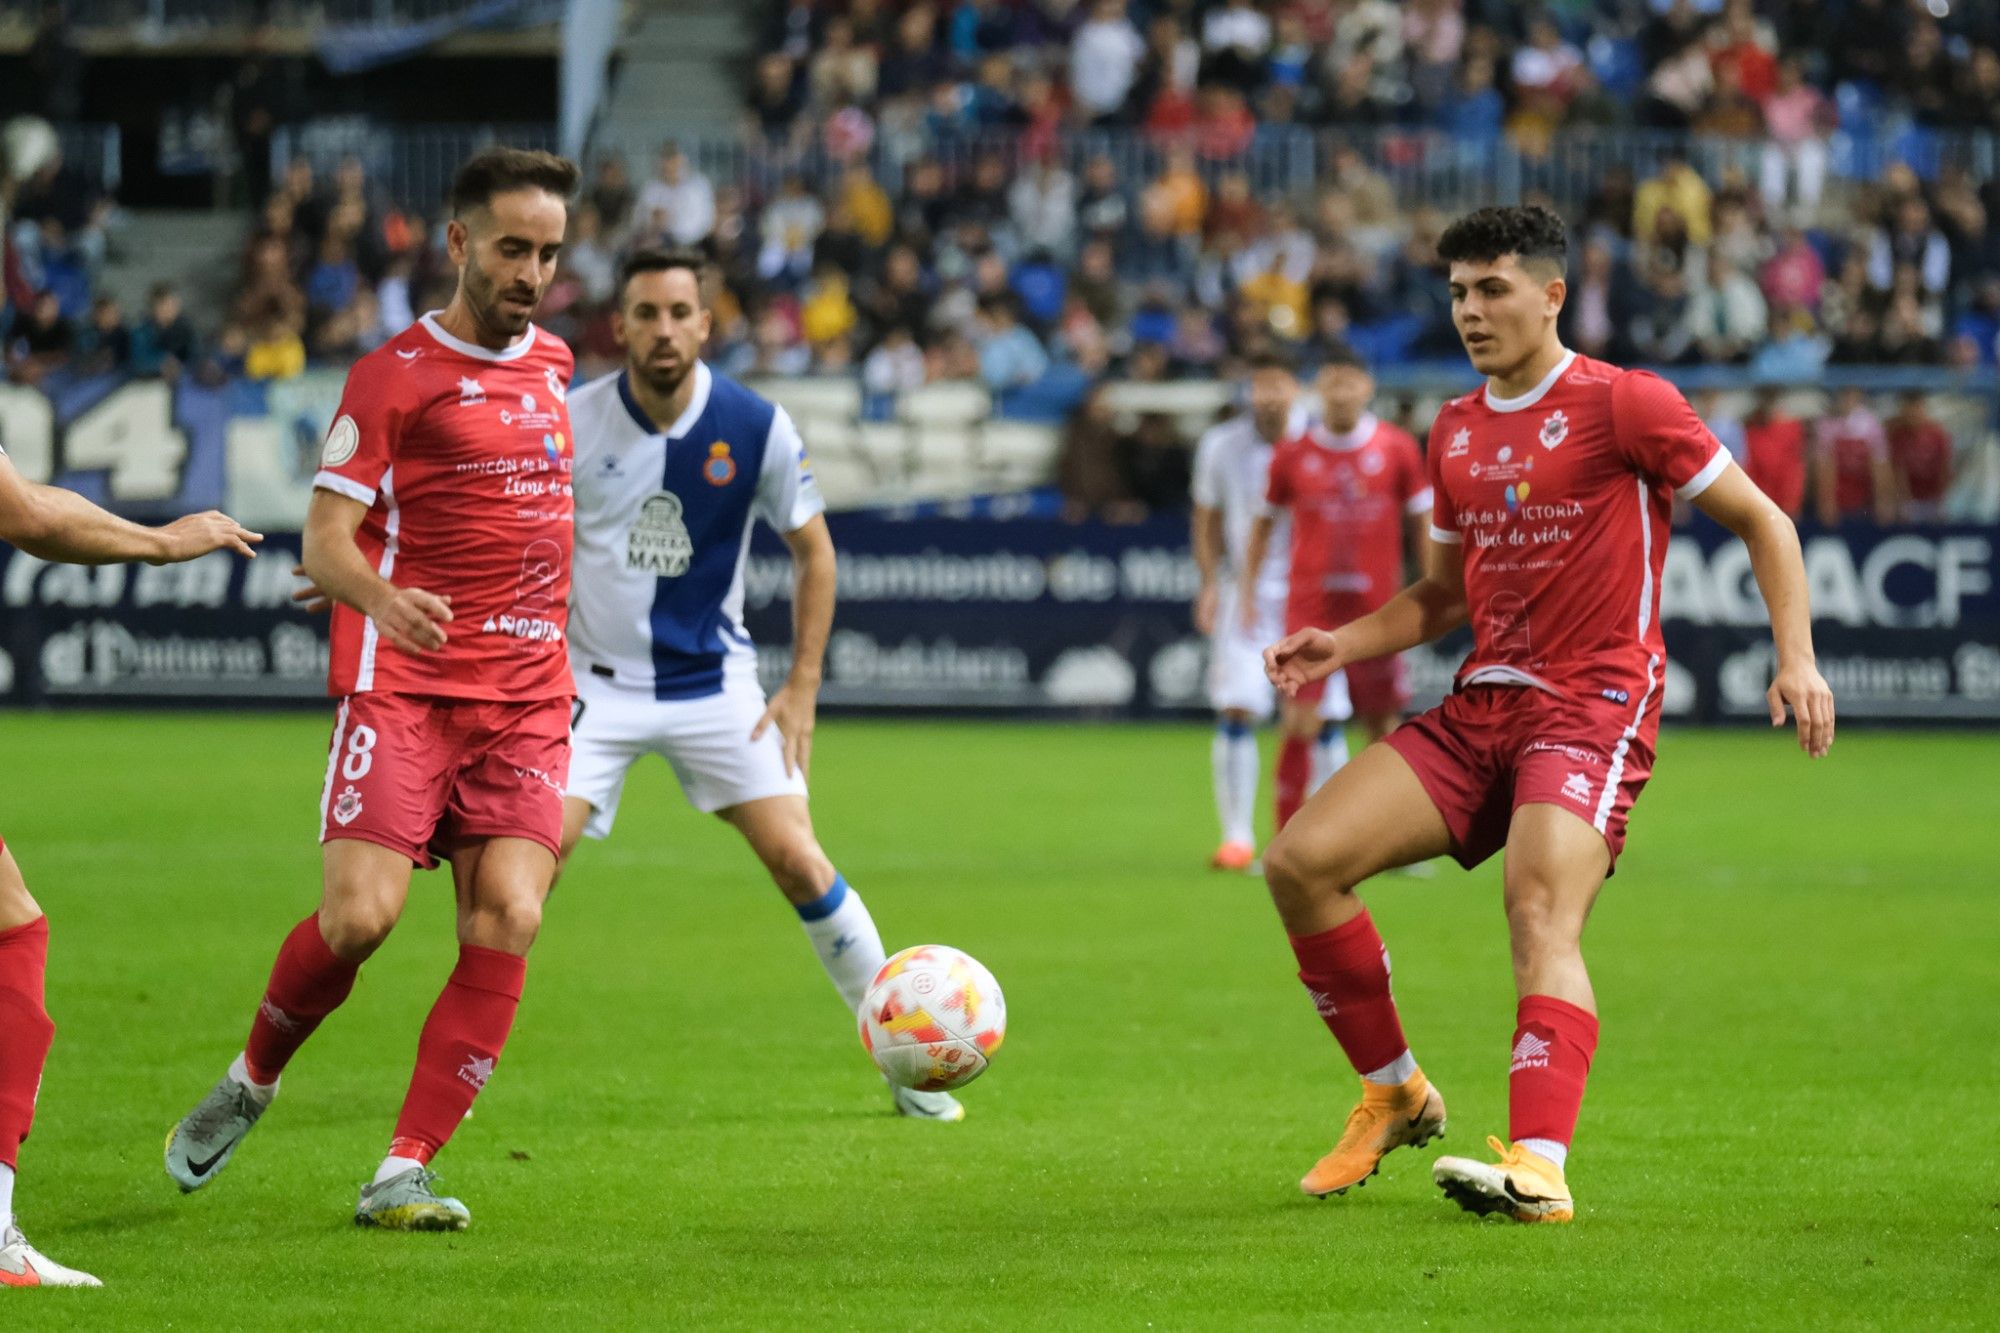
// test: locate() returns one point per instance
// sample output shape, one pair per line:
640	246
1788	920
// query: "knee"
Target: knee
1299	876
355	927
508	923
1537	928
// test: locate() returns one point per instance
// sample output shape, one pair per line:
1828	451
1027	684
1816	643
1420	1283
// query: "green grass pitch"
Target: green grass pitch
1791	1122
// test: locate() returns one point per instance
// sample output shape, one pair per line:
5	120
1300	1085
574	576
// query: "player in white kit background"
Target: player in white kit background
1232	466
674	464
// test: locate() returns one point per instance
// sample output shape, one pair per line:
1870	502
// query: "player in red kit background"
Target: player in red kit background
1921	453
1355	489
1552	490
440	527
58	525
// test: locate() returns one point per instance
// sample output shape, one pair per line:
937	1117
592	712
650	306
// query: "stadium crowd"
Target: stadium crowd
1039	194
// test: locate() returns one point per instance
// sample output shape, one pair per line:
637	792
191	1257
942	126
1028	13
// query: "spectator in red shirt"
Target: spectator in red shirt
1851	463
1774	449
1920	452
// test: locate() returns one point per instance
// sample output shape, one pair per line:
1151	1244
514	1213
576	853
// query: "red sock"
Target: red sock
1295	763
25	1030
308	982
462	1042
1346	971
1553	1043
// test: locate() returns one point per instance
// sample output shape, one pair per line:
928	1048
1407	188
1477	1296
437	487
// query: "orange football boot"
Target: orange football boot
1405	1115
1233	856
1523	1185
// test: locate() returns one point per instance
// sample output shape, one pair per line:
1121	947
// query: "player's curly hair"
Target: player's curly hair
498	170
1530	232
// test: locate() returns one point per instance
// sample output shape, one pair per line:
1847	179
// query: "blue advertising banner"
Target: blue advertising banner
1001	608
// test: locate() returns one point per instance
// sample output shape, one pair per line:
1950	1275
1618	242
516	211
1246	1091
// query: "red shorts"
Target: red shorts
423	775
1376	687
1488	750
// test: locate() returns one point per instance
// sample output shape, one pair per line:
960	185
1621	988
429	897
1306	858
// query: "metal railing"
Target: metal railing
1421	166
172	15
414	165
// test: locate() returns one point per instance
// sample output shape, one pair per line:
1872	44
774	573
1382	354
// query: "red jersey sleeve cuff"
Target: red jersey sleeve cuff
347	486
1705	478
1446	536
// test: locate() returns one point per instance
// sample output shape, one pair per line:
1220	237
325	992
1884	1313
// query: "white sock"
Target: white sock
1329	754
239	1069
845	938
1549	1148
393	1166
1233	757
6	1197
1396	1072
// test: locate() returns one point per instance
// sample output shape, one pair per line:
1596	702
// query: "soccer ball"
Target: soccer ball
932	1018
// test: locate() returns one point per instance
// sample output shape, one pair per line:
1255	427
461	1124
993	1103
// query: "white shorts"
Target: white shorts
706	740
1236	679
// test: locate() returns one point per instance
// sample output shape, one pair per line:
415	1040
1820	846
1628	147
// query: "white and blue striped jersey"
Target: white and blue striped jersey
663	519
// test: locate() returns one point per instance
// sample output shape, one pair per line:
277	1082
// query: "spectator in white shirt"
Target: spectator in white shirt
678	205
1104	60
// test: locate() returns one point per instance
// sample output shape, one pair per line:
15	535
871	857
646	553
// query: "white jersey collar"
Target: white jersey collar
1534	395
697	403
1364	431
512	351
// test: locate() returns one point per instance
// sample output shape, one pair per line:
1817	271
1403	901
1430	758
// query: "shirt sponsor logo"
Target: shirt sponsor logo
470	392
341	443
659	543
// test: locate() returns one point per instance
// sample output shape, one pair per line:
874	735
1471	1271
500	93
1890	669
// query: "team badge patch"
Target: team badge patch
347	807
720	469
341	443
1555	429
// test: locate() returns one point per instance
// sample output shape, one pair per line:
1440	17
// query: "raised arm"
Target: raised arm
1734	501
411	619
55	524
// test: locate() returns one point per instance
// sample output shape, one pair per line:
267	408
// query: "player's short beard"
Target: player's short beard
662	380
482	295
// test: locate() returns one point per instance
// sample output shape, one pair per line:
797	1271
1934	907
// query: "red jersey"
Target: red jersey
1774	454
1562	498
1852	445
1922	451
1347	496
463	456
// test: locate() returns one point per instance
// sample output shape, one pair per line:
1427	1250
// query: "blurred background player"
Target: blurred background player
1354	491
448	468
675	463
59	525
1548	735
1241	606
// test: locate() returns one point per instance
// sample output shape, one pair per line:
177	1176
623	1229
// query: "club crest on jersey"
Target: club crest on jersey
659	543
557	390
347	807
470	392
1555	429
720	469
